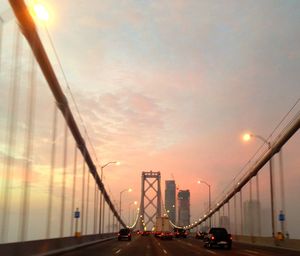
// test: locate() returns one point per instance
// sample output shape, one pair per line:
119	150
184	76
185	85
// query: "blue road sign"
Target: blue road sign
77	214
281	217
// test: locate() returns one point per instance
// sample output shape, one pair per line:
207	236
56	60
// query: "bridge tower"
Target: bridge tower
150	199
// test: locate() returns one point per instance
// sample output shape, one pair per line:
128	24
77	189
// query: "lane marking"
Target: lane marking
118	251
251	251
211	252
165	251
189	244
159	243
148	246
245	253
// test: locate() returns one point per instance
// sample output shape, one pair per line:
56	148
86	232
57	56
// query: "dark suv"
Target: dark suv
218	237
124	233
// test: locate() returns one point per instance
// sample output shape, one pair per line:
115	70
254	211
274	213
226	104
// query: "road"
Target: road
151	246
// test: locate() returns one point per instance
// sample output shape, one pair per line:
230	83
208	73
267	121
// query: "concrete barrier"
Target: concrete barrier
51	246
293	244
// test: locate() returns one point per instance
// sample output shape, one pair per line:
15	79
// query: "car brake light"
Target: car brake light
230	237
129	234
212	238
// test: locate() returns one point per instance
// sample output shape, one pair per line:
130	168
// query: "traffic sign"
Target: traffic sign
77	214
281	216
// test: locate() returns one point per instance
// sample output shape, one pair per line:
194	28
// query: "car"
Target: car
180	233
200	235
124	233
218	237
146	233
166	235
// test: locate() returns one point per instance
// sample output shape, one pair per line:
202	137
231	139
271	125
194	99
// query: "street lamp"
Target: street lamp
129	205
209	197
101	215
128	190
247	137
103	166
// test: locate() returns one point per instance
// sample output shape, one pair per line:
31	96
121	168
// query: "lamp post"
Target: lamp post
129	205
209	197
101	215
121	193
247	137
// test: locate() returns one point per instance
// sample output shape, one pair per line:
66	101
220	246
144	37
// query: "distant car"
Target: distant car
180	233
166	235
200	235
218	237
146	233
124	233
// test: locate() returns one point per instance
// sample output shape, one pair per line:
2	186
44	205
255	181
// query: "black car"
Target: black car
124	233
218	237
180	233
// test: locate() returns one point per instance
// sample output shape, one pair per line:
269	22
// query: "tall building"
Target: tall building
183	207
170	197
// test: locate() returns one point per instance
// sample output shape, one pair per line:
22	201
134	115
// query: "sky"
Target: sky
171	86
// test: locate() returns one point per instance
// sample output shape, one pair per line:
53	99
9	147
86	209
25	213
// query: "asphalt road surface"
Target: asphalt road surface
151	246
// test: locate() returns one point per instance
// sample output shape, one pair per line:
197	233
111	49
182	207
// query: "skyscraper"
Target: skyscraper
170	197
183	207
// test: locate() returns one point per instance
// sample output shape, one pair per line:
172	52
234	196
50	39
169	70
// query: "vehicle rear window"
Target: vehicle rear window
124	231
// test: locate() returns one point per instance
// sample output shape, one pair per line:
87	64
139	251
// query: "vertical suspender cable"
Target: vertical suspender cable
241	208
1	32
28	151
53	152
63	194
95	208
83	195
258	205
73	189
11	140
87	204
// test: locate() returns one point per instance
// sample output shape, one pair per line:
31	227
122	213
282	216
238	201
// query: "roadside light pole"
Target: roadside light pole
101	214
209	197
246	138
127	189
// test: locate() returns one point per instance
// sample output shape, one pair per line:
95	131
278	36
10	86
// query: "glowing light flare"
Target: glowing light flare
247	137
38	11
41	12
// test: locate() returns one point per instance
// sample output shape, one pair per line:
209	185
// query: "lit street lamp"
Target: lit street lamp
101	214
247	137
128	190
129	205
209	197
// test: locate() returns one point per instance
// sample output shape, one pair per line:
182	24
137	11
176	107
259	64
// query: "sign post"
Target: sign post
77	216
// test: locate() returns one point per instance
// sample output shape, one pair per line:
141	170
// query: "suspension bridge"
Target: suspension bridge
44	141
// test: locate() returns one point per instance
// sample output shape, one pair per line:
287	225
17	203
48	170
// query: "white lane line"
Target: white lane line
211	252
250	251
189	244
118	251
245	253
165	251
158	243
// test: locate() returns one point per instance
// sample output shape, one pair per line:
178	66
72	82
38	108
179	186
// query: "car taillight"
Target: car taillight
230	237
118	234
129	234
212	238
185	233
